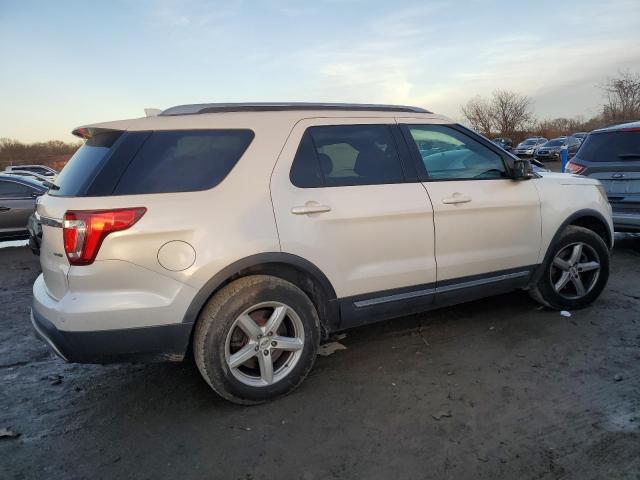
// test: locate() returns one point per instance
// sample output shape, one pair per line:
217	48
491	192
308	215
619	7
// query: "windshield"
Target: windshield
530	141
558	142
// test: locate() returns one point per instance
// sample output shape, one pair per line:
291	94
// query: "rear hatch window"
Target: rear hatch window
83	166
616	146
130	163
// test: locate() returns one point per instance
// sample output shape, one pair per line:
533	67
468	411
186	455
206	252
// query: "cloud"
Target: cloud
409	57
412	22
191	14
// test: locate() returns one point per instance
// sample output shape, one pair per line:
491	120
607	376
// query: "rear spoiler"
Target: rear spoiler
88	132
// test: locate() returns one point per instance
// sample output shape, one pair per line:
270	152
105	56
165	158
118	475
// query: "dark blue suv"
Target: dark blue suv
612	155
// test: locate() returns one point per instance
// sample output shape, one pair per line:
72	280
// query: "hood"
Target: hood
568	178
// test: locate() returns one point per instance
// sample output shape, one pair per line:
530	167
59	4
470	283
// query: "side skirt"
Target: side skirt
369	308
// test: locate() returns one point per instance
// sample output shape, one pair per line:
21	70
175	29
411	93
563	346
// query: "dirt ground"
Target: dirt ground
497	388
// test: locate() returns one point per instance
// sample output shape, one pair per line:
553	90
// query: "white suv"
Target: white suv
243	234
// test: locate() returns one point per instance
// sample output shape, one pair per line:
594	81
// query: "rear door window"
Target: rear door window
183	161
305	170
357	155
614	146
346	155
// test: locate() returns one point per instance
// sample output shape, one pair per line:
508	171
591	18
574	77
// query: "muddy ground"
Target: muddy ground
497	388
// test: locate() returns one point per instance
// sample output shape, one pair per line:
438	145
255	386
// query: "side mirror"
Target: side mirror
522	170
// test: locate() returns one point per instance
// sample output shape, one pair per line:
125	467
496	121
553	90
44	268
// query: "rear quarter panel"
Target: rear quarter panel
226	223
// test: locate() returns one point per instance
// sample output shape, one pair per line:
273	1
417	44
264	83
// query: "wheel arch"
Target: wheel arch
587	218
595	222
292	268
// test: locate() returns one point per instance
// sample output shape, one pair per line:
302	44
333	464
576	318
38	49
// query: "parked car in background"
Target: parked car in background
43	170
527	147
46	181
538	166
550	151
34	226
17	202
505	143
580	135
131	266
612	155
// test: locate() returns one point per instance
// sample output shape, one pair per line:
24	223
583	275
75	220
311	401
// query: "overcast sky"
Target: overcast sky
68	63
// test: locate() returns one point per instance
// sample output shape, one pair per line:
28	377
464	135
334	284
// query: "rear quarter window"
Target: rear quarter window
182	161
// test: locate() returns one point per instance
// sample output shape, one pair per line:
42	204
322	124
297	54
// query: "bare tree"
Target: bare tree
478	113
510	111
622	96
505	113
557	127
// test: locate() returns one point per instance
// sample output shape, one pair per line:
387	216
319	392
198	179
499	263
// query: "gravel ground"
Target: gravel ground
497	388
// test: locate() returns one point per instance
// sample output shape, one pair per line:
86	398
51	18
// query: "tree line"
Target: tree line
53	153
509	114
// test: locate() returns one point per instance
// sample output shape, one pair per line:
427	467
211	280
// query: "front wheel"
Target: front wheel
575	272
256	339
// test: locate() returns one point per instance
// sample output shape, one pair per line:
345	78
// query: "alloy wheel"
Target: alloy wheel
575	270
264	344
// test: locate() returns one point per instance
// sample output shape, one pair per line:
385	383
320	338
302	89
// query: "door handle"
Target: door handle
310	208
456	198
4	209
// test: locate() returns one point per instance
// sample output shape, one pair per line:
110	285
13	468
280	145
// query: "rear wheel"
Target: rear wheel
256	339
575	272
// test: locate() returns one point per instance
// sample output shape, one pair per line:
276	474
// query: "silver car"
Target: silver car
17	202
42	170
527	148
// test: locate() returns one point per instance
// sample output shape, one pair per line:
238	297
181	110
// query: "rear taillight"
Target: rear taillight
84	230
574	168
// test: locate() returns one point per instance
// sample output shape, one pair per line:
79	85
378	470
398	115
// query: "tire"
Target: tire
558	270
252	304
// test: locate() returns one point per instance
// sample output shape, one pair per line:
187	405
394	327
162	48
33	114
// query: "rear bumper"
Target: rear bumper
626	222
114	323
165	342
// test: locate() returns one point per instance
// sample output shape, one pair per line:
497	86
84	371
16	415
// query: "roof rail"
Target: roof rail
199	108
